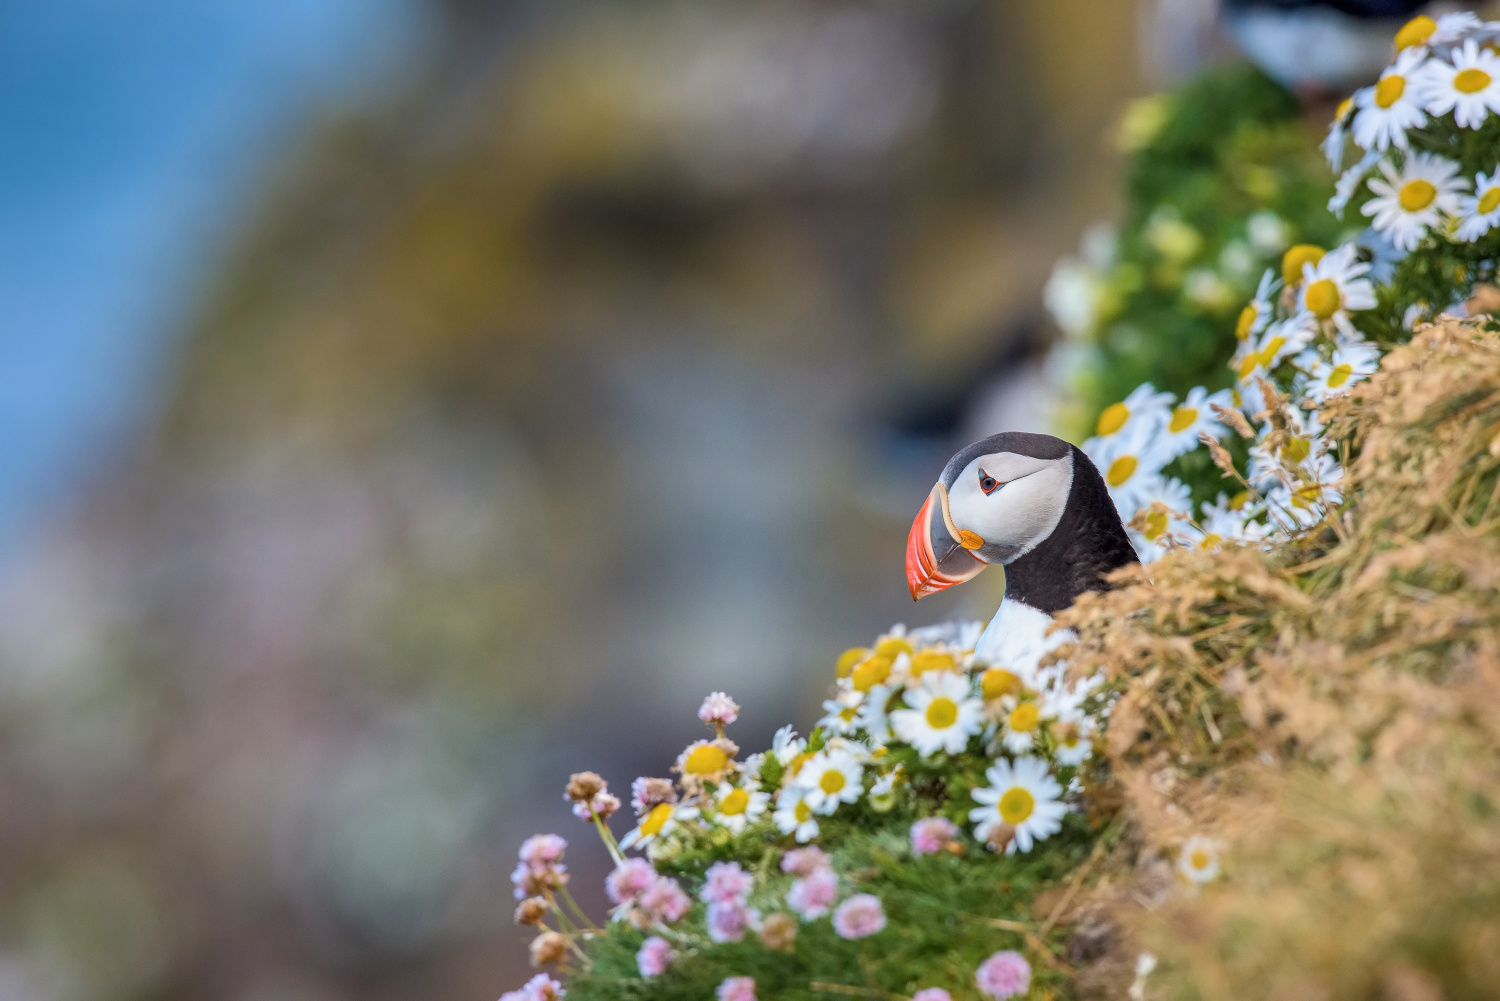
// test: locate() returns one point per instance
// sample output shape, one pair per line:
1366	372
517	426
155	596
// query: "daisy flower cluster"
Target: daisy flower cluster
1418	178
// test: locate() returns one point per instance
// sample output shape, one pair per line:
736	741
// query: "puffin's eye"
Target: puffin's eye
988	483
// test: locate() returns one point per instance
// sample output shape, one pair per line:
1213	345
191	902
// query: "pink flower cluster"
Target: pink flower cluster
805	861
1006	974
540	870
932	994
813	895
718	710
643	896
654	956
604	804
736	989
859	917
539	988
931	834
726	891
648	792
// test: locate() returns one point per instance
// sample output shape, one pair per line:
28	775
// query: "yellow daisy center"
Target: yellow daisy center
892	648
849	658
1200	859
802	812
1295	257
1239	500
832	781
848	713
1323	298
1343	108
1024	718
1245	322
1113	419
1470	81
1296	449
1182	419
1016	805
1248	365
1305	497
1415	32
1416	195
1121	470
1156	525
656	819
1210	541
706	760
1489	201
1270	351
942	712
735	803
1339	375
871	673
797	763
1389	90
997	681
931	660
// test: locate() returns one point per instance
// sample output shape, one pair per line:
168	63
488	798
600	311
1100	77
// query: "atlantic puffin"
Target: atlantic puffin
1032	503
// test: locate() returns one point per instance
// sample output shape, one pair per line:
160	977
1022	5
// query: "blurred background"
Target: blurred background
405	403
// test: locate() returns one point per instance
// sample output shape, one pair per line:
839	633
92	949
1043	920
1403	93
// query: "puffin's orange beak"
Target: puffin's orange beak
935	558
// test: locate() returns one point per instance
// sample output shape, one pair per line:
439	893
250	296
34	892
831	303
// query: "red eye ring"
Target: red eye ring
988	483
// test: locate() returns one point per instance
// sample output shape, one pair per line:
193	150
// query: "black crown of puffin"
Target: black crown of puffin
1031	502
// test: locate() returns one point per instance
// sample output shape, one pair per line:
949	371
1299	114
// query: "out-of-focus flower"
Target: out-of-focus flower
539	988
805	861
1006	974
729	922
547	948
543	849
1350	364
794	815
932	834
932	994
629	880
540	870
718	710
706	761
665	901
531	911
654	956
1392	106
1073	745
1022	727
603	806
830	777
1144	406
736	989
726	883
1336	285
944	714
1467	84
778	931
735	807
661	820
859	917
646	793
813	895
1480	212
1199	861
1022	796
583	786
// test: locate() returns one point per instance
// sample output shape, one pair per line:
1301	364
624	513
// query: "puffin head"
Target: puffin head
997	500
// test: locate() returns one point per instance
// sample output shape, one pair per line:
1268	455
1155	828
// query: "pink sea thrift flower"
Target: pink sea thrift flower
932	994
718	710
813	895
655	956
729	922
736	989
543	849
629	880
726	883
603	804
539	988
805	861
537	880
1006	974
648	792
859	917
931	834
664	901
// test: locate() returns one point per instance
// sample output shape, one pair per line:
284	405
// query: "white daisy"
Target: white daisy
943	714
1173	494
1192	416
1410	202
1333	144
1144	406
1230	520
1349	364
1254	317
1128	462
841	714
786	745
1481	210
1467	84
830	777
1348	183
1199	861
1424	31
1073	745
794	815
1393	105
1022	796
1280	339
1022	729
1335	285
735	807
661	820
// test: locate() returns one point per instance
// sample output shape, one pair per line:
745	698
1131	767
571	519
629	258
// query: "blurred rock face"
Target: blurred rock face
531	411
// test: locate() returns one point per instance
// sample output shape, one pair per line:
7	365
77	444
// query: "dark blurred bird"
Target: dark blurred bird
1318	46
1032	503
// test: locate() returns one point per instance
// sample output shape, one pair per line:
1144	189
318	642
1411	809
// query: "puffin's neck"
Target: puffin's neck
1088	542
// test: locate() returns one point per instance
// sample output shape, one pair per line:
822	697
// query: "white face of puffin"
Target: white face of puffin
999	508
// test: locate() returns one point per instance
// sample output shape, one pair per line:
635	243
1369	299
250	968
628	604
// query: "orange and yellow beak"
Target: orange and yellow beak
938	555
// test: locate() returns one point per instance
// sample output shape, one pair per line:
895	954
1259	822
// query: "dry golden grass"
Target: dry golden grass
1329	713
